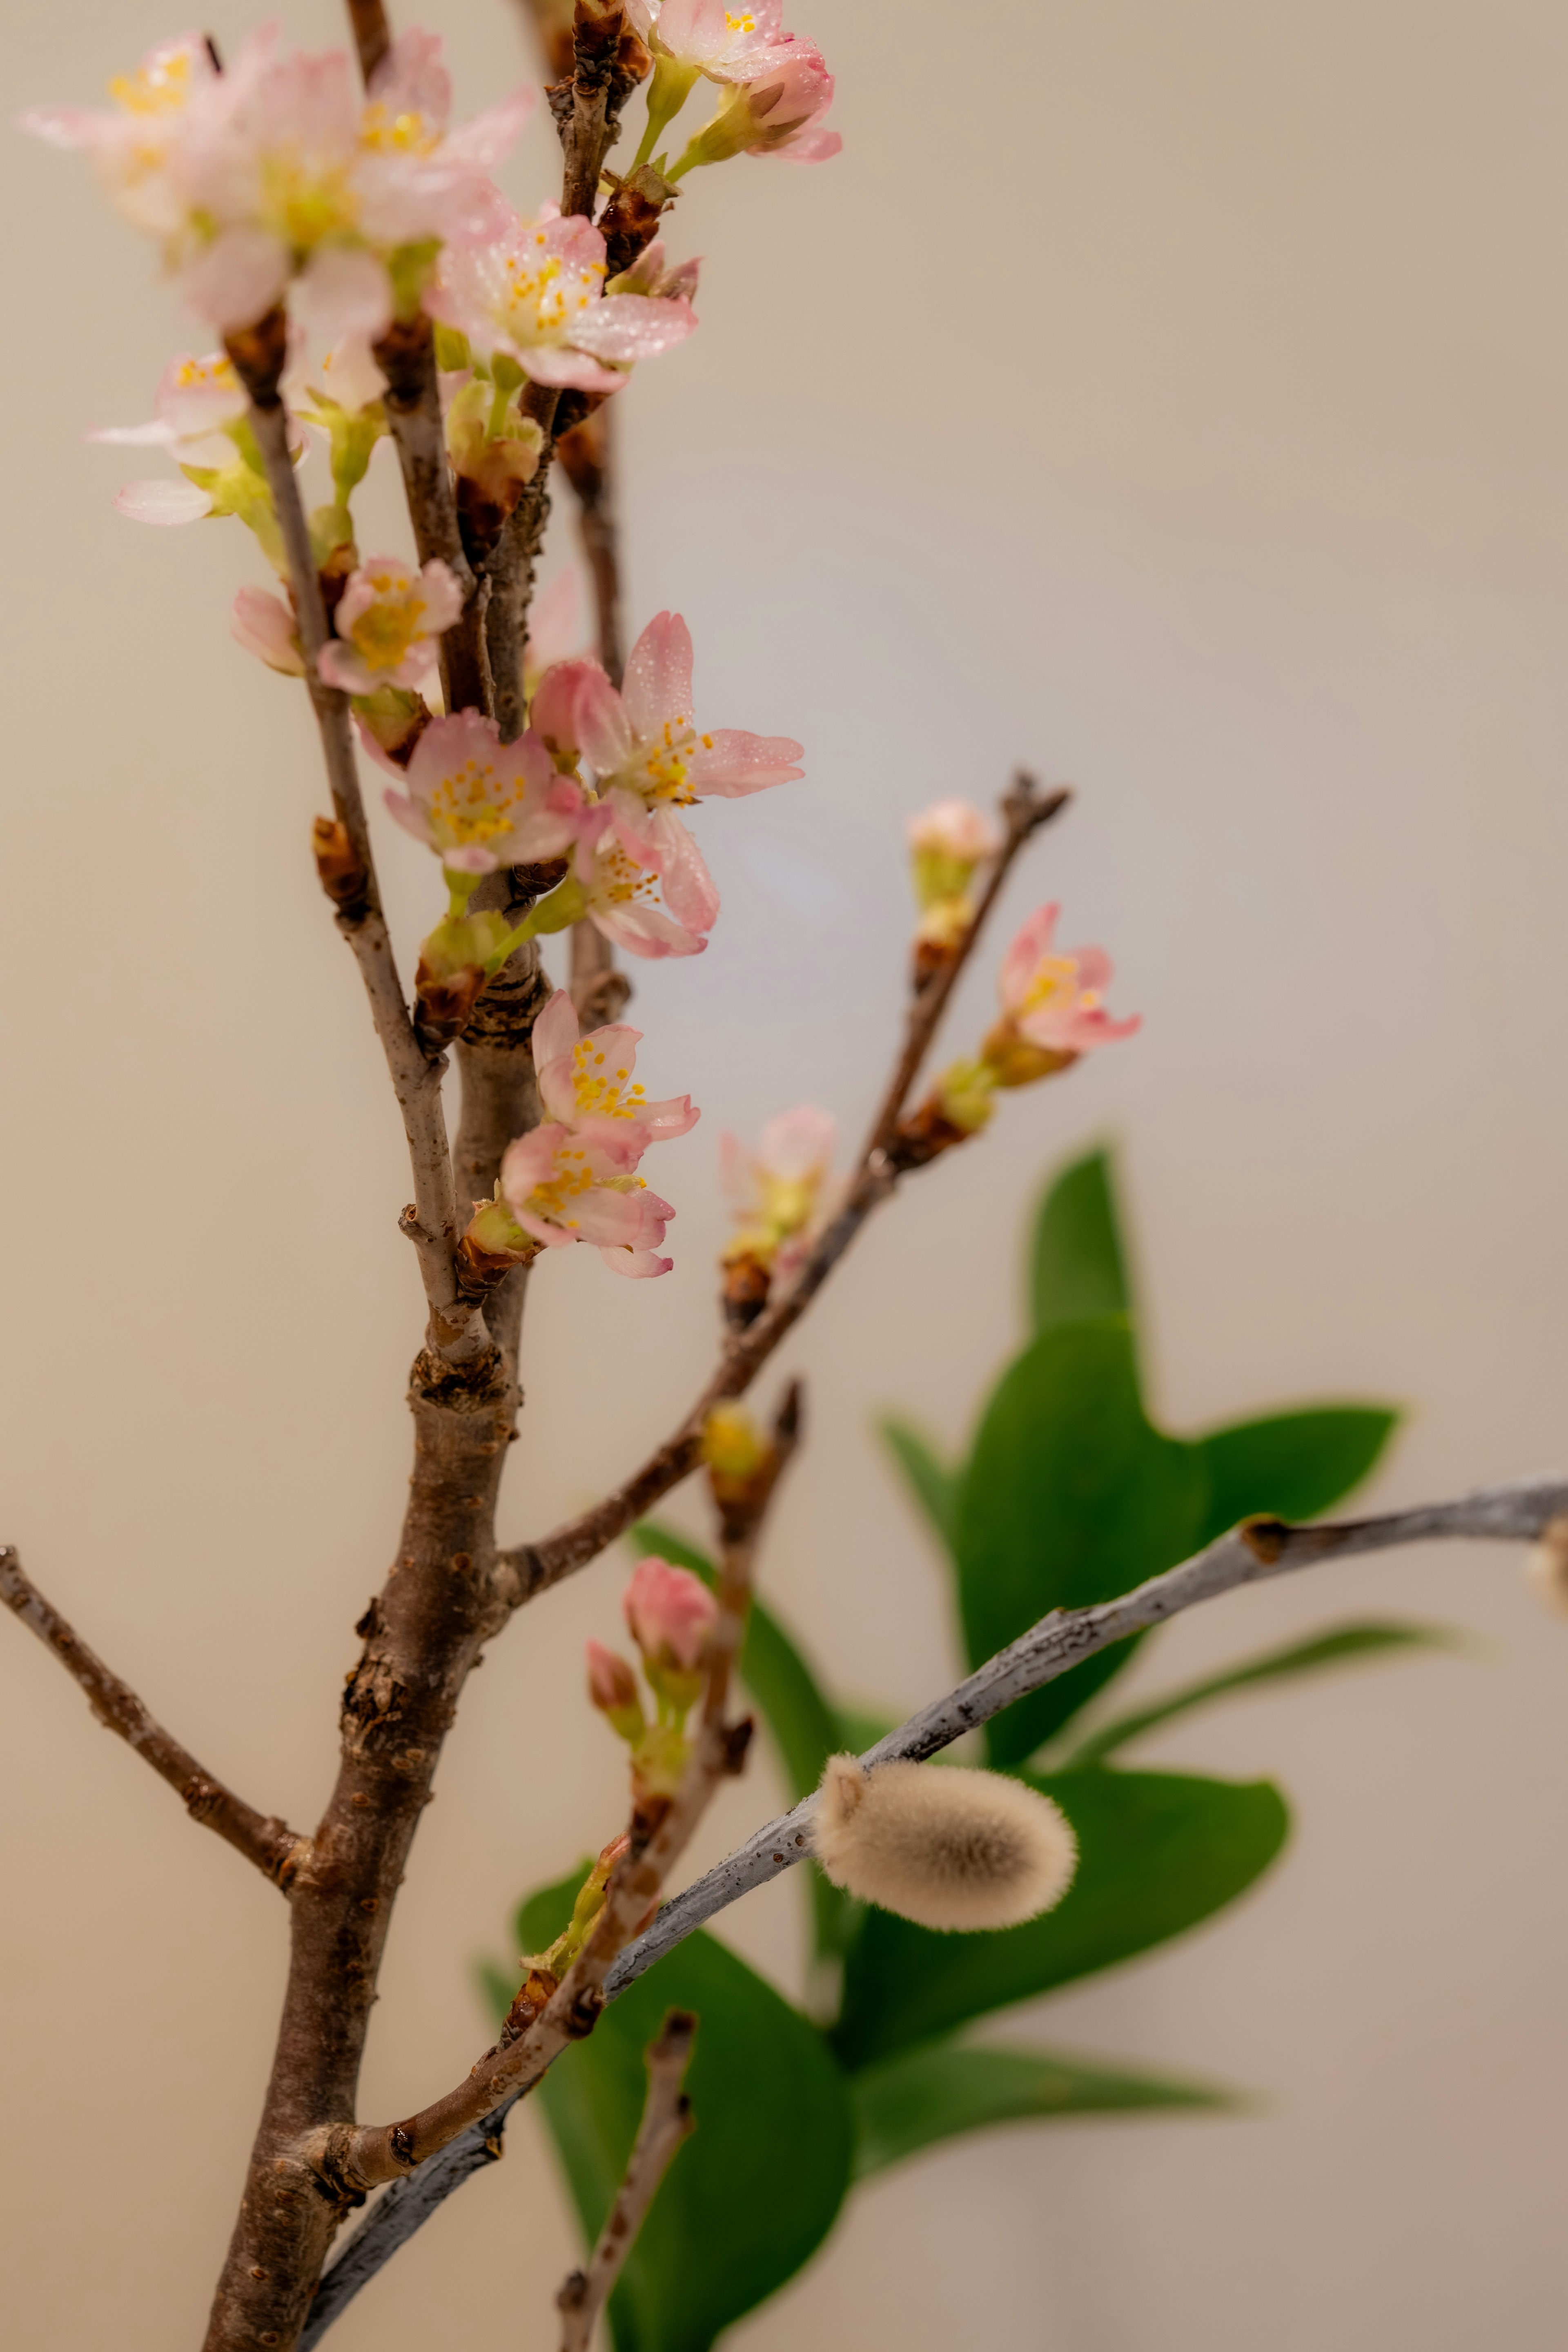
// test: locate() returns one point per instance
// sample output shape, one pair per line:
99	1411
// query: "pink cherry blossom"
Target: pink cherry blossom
564	1187
1056	1001
264	625
642	743
584	1080
479	802
623	877
534	292
779	114
669	1614
779	1189
278	171
710	40
389	623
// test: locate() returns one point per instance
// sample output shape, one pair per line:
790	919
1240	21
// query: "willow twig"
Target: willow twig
666	2124
1518	1512
275	1849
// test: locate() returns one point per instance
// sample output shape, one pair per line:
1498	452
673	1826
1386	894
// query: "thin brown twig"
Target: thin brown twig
275	1849
528	1569
360	2157
373	34
457	1327
666	2124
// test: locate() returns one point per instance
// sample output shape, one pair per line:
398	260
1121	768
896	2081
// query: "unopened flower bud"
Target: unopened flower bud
957	1851
394	719
495	451
669	1614
947	842
343	876
733	1447
613	1687
455	961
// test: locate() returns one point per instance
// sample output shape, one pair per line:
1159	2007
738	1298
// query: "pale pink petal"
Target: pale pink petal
530	1162
552	713
604	1218
658	682
265	627
237	278
343	294
443	596
156	435
573	369
810	147
603	729
663	1121
629	327
552	1236
413	80
403	811
638	1265
728	763
1095	969
343	666
635	825
1022	959
557	1030
482	142
686	885
645	932
164	502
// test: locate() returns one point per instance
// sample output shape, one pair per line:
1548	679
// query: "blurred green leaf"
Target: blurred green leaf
934	1485
1158	1853
1341	1645
669	1543
1294	1465
1071	1497
1078	1269
755	2189
947	2087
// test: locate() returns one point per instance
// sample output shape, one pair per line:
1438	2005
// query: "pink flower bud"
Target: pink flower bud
670	1614
611	1686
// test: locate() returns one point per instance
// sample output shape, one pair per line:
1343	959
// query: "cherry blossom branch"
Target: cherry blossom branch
1522	1511
666	2124
528	1568
599	989
457	1326
275	1849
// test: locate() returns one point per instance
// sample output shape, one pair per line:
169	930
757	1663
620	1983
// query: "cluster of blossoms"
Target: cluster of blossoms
573	1178
598	778
670	1615
778	88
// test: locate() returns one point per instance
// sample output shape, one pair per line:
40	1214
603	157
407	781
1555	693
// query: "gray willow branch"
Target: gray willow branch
666	2124
275	1849
1522	1511
531	1567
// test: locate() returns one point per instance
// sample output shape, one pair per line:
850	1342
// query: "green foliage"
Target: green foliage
932	1485
1342	1645
1071	1497
1077	1267
1295	1465
755	2189
943	2088
1158	1853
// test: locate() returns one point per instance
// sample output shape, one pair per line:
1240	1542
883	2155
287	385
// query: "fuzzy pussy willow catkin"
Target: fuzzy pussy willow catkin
953	1849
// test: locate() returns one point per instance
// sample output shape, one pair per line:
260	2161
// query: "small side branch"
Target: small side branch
531	1568
666	2124
275	1849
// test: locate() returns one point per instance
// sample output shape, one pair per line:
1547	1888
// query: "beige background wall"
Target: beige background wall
1170	393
